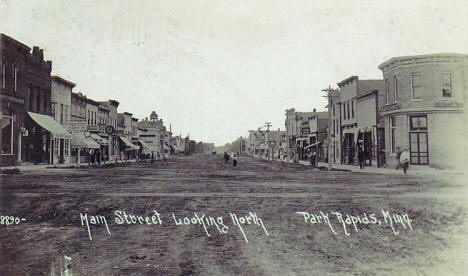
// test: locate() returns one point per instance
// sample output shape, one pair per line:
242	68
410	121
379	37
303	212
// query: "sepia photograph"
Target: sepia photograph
266	137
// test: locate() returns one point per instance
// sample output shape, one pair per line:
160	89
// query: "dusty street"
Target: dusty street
280	240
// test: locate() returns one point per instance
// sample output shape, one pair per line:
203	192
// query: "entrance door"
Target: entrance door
61	154
419	152
418	148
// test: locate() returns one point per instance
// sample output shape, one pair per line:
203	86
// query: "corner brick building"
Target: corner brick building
25	87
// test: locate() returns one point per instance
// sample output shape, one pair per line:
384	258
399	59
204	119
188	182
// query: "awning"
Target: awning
144	144
264	146
312	145
101	141
49	124
128	143
78	140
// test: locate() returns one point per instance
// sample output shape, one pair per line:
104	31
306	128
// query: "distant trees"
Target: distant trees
198	147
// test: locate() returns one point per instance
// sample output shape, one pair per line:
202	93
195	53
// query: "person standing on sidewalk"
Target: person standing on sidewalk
404	160
398	154
361	157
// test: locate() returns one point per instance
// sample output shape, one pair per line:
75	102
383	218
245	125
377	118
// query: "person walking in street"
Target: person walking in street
404	160
152	157
234	161
361	157
313	158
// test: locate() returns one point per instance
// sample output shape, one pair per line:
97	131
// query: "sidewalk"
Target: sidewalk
60	166
413	170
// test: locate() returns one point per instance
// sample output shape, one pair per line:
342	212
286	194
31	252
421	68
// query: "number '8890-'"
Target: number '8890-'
10	220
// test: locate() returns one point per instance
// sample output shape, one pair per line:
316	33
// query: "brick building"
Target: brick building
27	130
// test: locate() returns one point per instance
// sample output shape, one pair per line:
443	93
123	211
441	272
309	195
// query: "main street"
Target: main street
267	194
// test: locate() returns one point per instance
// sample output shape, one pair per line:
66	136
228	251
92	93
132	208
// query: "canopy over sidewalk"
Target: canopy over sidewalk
49	124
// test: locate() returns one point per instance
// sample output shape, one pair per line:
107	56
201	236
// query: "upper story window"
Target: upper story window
15	76
416	90
347	110
447	84
344	111
352	109
395	89
31	98
2	72
387	92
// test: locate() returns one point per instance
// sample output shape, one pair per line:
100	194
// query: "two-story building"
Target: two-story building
61	90
114	141
28	130
424	106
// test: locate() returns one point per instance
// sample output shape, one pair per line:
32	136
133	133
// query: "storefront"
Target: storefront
46	134
348	148
80	146
12	130
129	150
103	141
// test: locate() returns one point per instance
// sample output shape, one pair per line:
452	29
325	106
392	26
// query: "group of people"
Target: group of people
227	157
94	157
402	156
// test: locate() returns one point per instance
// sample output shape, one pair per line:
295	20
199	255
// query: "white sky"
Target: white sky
215	69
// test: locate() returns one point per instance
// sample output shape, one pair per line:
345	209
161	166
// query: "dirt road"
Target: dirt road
257	201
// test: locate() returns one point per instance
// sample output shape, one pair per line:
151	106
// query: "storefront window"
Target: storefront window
66	147
418	123
392	122
7	135
56	146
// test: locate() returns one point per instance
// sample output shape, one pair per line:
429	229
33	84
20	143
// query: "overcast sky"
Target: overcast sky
215	69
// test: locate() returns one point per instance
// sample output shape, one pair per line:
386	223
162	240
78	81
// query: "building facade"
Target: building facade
61	90
424	108
27	127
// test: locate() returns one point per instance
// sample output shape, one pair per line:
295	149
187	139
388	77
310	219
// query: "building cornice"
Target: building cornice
396	62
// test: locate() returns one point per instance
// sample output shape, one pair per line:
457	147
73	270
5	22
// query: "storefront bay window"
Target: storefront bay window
7	135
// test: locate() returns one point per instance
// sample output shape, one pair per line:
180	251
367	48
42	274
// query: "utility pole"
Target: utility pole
328	90
268	125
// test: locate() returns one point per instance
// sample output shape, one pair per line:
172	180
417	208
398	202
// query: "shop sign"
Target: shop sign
389	107
447	104
12	99
77	126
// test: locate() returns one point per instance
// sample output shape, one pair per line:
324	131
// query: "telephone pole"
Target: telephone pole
329	158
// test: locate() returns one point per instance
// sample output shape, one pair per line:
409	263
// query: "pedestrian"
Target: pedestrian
234	161
398	154
361	157
97	153
404	160
91	157
152	157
